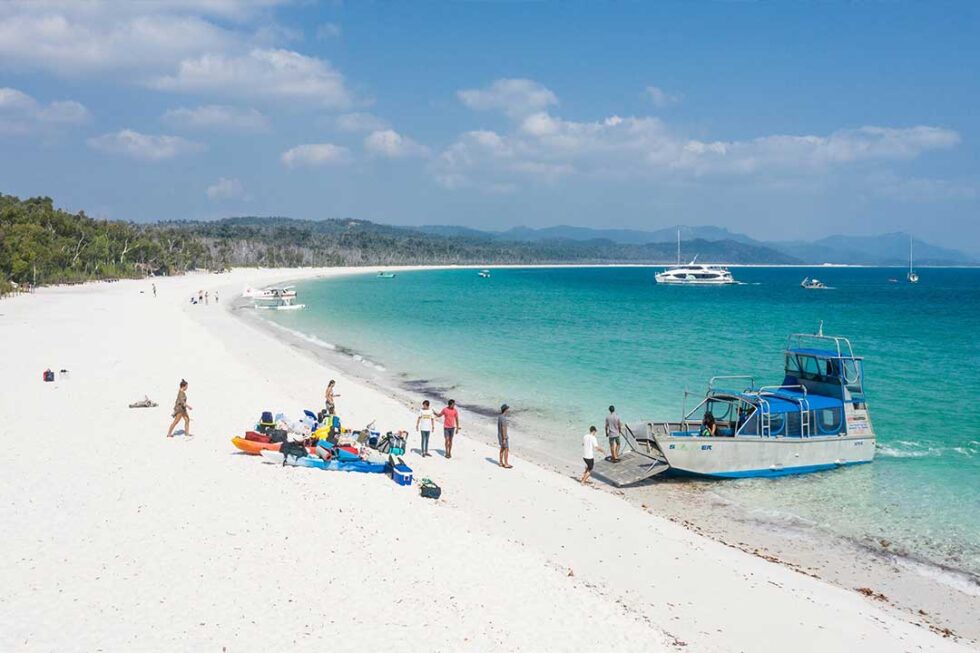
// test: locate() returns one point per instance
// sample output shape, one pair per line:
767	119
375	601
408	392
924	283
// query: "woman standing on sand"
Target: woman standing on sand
330	397
180	411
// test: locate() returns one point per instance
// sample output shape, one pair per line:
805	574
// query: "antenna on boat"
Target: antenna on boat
820	329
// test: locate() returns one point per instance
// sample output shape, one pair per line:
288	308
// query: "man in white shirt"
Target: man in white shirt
589	446
425	425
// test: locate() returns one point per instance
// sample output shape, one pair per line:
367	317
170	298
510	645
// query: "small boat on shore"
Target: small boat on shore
278	304
814	284
269	293
816	419
386	275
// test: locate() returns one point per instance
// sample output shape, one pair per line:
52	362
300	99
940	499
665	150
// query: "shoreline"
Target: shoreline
922	590
145	543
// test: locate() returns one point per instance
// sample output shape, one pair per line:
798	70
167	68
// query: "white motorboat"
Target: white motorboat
815	419
278	304
485	274
694	273
269	293
814	284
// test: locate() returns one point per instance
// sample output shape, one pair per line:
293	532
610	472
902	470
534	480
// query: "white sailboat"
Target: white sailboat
912	276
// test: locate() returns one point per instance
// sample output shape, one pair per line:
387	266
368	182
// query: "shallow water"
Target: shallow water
559	345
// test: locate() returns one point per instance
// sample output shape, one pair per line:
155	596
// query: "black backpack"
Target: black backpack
294	449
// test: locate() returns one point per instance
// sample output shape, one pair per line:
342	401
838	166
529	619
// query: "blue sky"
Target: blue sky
783	121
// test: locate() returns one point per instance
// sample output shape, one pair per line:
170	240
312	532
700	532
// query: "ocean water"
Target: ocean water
559	345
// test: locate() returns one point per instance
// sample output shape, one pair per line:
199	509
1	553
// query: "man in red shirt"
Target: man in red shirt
450	425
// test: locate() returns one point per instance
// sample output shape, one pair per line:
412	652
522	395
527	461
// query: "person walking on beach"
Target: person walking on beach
590	444
503	437
207	298
614	430
215	296
425	425
154	289
450	425
180	411
329	396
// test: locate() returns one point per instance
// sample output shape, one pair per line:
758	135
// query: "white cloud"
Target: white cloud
514	97
328	31
143	147
315	154
69	43
282	75
217	117
390	144
21	114
661	98
360	122
544	147
226	189
132	40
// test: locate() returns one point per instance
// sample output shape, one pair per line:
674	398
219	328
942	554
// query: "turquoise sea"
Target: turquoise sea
559	345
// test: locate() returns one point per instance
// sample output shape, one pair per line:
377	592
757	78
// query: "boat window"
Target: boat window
776	423
809	366
751	426
852	375
722	410
792	365
829	420
794	424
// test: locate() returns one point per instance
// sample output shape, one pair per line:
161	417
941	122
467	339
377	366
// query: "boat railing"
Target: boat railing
840	344
711	382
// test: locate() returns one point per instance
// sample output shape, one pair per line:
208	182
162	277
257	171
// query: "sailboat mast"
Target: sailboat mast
910	254
678	247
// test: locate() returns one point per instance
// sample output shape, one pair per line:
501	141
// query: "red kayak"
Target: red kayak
254	448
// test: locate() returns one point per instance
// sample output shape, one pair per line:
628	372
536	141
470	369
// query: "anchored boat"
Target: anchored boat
816	419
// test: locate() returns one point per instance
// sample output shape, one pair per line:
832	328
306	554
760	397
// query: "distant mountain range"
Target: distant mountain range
885	249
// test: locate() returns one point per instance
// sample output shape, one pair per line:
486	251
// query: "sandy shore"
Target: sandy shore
117	538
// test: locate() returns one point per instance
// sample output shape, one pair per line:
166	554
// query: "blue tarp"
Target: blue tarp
786	401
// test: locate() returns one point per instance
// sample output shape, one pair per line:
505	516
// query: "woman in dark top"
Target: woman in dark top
180	411
709	428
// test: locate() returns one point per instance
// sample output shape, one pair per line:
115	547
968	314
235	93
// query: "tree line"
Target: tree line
40	244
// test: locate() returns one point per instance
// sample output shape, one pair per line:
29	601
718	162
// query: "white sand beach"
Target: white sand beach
117	538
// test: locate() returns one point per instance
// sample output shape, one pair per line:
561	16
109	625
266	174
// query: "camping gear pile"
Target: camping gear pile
321	441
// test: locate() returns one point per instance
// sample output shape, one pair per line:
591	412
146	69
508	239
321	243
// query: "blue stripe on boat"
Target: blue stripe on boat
767	472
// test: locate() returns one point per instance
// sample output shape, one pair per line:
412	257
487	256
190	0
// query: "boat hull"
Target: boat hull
724	457
673	281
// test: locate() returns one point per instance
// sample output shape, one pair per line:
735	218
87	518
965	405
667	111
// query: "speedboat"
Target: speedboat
816	419
696	274
484	274
814	284
386	275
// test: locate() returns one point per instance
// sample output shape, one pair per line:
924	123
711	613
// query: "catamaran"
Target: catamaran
816	419
694	274
912	276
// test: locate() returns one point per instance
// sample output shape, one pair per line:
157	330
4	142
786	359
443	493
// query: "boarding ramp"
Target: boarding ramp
639	458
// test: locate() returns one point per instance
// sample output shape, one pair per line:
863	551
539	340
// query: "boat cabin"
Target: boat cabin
821	384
